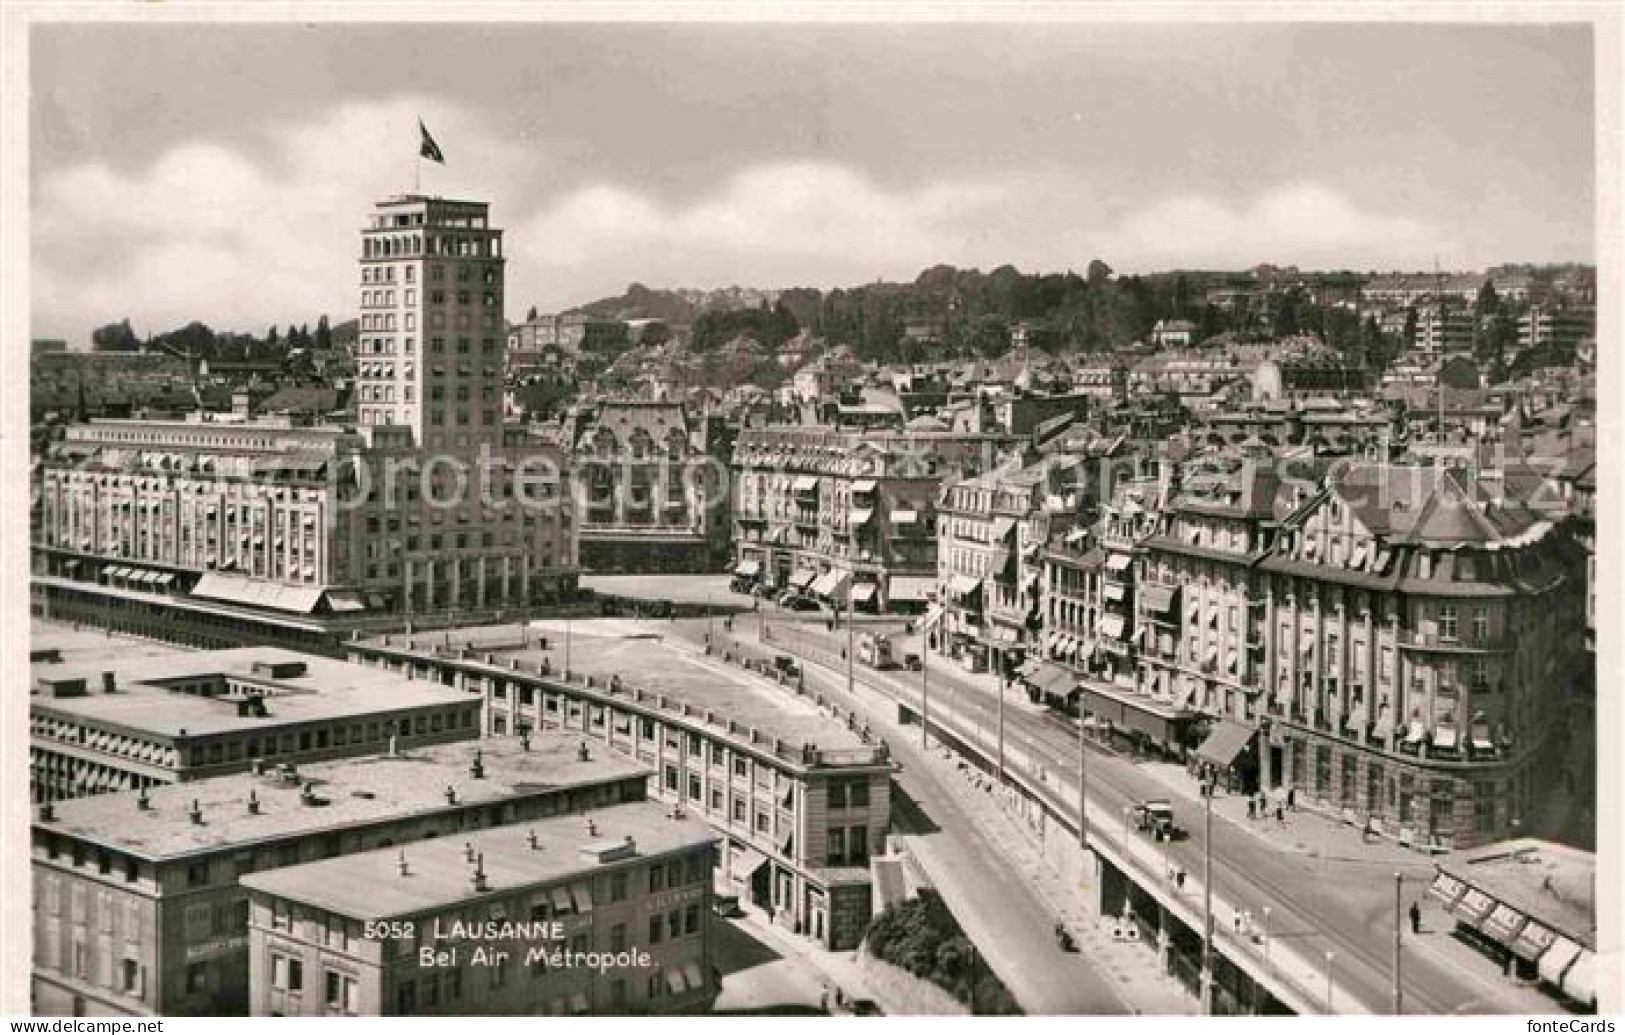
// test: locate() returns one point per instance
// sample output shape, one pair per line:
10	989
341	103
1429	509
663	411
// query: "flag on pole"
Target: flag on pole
429	149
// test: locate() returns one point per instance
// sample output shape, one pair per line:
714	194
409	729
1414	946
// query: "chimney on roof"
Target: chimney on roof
400	863
582	754
468	851
451	795
531	838
592	827
307	793
394	746
109	683
47	812
253	802
256	766
479	872
476	768
195	813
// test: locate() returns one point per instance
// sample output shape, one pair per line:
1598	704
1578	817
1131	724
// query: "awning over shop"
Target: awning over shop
1052	679
1158	599
1415	734
1503	923
1446	889
904	517
863	485
1115	591
341	601
963	585
1002	527
831	583
748	569
864	592
695	979
239	589
1225	742
910	587
1112	626
1473	907
1444	738
803	578
805	483
165	578
860	517
675	983
1384	724
933	614
561	900
1534	939
1555	960
1580	983
1119	562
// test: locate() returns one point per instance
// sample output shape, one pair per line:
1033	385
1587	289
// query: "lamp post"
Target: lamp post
567	645
1330	956
1399	993
1083	779
851	655
998	660
1207	892
1267	937
925	699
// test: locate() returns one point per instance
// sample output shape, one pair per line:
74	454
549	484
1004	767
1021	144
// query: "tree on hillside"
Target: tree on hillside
1098	272
271	338
324	334
115	337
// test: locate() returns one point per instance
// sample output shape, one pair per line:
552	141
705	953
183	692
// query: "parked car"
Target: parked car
787	665
798	602
1156	817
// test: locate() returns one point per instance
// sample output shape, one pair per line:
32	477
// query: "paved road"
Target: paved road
1320	901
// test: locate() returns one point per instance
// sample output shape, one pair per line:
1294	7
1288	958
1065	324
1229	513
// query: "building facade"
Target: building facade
138	904
382	933
848	508
650	486
798	822
1391	637
189	715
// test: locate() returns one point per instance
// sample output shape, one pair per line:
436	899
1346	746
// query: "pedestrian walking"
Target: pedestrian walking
1292	798
1416	918
1252	808
1280	814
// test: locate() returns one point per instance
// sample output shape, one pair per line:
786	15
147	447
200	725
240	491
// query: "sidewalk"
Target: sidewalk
1132	967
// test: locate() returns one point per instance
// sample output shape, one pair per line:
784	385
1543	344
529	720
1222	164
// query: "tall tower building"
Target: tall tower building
429	350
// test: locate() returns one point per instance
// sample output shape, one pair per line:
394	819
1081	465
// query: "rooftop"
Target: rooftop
644	662
1555	884
351	792
368	885
327	688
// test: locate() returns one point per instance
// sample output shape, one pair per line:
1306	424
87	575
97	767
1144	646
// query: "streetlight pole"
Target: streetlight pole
998	661
1083	779
925	698
1207	893
1399	992
851	655
1330	956
567	645
1266	937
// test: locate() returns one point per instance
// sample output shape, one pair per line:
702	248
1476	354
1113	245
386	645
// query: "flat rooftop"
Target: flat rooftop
328	688
605	647
353	791
1552	883
369	885
87	645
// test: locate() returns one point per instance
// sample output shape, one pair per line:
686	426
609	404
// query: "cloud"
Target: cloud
243	237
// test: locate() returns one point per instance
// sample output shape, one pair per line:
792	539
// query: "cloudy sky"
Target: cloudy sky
221	172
